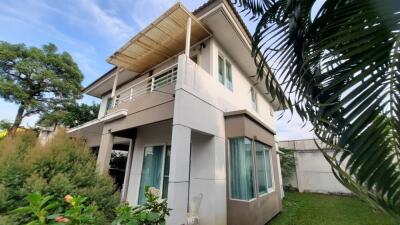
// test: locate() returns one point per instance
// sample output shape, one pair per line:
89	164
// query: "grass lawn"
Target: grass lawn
317	209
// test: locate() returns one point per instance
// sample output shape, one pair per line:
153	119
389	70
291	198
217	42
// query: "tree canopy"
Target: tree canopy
70	116
37	79
339	63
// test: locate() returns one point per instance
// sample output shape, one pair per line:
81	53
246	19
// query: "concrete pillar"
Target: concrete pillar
103	159
178	189
124	192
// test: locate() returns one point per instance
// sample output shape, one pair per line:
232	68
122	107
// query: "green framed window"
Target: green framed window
155	170
241	169
263	168
225	72
221	70
229	84
253	98
109	104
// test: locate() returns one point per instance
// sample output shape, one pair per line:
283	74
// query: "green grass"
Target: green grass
317	209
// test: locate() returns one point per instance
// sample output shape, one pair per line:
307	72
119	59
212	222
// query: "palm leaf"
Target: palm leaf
340	67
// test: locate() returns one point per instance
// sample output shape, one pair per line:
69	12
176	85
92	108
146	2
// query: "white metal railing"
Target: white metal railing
153	83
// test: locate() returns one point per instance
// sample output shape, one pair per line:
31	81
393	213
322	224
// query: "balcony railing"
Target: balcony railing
153	83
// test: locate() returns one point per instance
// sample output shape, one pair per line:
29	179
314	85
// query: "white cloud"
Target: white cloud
291	127
105	23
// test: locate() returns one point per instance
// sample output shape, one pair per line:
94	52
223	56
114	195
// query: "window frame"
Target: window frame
225	81
230	172
267	151
164	153
272	189
254	102
255	173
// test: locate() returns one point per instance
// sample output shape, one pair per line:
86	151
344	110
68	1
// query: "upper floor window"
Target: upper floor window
225	72
109	104
253	98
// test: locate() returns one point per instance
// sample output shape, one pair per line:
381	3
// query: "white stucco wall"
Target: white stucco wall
149	135
313	172
240	97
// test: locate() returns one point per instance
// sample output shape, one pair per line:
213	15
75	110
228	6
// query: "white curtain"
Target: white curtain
241	169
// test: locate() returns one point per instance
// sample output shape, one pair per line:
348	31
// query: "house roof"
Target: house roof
159	41
230	4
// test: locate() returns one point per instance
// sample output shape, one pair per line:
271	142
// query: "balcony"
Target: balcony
146	93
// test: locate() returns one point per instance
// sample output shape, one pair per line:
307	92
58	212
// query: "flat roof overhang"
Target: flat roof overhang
161	40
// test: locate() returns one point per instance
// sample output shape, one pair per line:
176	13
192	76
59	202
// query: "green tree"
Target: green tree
338	60
37	79
71	116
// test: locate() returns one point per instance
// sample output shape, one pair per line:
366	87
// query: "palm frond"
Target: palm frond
340	65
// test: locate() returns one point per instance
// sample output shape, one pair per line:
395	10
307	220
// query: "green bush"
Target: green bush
61	167
153	212
288	165
46	210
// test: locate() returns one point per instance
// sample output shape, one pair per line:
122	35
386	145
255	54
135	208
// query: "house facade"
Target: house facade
183	98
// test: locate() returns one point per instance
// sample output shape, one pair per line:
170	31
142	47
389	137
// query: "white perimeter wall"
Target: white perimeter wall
313	172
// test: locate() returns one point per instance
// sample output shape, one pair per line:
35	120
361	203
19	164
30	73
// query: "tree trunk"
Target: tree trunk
18	120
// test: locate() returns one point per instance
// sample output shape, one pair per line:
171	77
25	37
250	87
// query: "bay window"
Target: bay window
241	169
263	165
249	167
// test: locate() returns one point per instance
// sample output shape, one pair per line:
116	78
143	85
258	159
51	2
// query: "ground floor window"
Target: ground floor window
241	169
249	167
264	169
155	170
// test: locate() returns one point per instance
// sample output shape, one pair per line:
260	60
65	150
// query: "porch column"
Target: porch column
127	171
188	33
115	86
103	159
178	189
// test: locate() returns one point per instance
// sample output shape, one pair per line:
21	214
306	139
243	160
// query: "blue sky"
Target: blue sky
91	30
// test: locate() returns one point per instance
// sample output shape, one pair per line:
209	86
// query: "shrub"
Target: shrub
63	166
288	164
153	212
47	210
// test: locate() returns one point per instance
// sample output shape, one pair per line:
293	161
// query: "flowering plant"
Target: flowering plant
153	212
46	210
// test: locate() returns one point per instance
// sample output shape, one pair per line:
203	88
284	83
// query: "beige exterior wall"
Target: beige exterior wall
264	207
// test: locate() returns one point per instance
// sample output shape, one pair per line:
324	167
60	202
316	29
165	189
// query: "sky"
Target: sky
91	30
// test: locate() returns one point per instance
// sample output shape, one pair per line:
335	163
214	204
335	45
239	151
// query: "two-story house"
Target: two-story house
184	97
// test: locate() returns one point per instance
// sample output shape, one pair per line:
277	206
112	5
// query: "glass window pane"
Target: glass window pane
109	104
253	98
221	70
166	172
241	169
261	165
151	170
229	76
269	169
